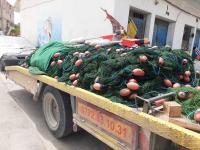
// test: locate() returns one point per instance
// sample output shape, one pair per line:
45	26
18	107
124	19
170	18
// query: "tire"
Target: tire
2	66
57	112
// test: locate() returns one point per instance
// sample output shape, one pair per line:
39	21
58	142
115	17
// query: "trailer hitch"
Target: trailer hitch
147	105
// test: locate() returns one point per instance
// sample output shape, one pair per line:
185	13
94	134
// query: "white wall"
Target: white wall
78	18
84	18
35	11
121	9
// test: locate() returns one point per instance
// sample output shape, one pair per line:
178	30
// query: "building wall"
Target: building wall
177	18
35	12
77	19
85	18
6	15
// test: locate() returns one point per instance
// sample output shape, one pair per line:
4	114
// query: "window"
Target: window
160	32
140	22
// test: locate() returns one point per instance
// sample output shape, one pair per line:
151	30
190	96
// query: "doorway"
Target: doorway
139	18
197	40
186	38
160	32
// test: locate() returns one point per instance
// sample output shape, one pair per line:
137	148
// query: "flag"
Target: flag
196	54
197	51
132	29
115	24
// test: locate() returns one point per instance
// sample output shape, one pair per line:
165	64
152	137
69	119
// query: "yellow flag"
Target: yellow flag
132	29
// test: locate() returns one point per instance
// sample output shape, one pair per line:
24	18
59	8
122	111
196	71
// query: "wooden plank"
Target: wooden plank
185	123
181	121
177	134
173	109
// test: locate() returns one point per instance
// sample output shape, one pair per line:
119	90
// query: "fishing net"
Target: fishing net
41	58
191	104
112	66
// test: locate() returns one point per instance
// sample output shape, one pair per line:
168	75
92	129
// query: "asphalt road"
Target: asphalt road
22	125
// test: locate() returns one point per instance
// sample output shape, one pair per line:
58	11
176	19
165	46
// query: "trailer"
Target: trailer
68	109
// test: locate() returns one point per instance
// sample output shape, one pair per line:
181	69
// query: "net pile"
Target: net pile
191	103
112	67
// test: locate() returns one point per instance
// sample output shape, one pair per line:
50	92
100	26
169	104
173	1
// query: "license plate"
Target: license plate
114	125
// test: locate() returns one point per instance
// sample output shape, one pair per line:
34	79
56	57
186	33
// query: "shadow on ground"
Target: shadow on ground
77	141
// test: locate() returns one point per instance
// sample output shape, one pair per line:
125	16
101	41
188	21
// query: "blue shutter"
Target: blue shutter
139	22
160	33
197	40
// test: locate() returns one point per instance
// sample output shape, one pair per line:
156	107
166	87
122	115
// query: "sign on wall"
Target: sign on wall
49	30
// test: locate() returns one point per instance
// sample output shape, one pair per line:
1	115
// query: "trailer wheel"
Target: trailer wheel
57	112
2	66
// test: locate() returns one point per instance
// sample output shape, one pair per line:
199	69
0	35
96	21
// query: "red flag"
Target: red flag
117	27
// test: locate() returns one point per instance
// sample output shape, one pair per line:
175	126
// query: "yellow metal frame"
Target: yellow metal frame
102	136
177	134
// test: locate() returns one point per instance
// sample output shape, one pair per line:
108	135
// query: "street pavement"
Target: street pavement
22	125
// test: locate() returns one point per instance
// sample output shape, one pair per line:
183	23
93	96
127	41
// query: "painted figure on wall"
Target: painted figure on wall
48	27
49	30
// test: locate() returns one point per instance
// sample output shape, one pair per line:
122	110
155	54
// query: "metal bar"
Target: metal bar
155	98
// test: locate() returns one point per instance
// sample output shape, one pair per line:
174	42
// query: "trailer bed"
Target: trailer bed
175	133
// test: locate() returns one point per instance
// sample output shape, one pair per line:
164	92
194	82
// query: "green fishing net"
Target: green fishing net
112	67
191	104
41	58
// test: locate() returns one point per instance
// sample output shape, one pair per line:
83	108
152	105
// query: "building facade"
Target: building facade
164	22
6	17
